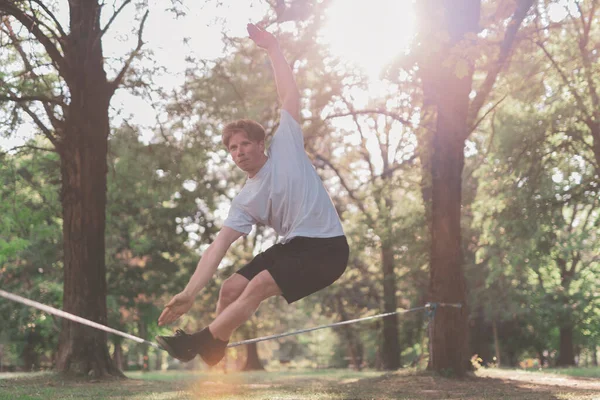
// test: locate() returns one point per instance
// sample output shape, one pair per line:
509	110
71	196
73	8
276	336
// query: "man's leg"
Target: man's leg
261	287
231	289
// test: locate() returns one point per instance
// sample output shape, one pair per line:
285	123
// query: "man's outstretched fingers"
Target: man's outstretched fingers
167	316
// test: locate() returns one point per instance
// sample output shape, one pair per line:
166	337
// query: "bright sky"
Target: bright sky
368	33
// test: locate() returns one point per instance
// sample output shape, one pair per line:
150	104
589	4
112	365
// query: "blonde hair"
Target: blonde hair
253	129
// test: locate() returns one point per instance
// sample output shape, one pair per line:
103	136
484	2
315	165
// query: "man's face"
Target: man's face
246	154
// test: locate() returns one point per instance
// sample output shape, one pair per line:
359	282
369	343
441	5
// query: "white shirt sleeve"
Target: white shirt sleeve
239	220
288	134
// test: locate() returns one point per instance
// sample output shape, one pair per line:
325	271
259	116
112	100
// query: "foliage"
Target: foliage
530	221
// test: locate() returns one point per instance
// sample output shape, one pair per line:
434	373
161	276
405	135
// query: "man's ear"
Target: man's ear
261	144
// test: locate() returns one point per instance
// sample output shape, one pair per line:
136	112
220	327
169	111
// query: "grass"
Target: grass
493	384
592	372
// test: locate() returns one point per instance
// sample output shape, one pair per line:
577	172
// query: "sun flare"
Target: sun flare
369	33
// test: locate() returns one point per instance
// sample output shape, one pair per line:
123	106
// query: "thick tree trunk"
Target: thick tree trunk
83	150
252	361
391	343
594	355
566	354
447	81
447	280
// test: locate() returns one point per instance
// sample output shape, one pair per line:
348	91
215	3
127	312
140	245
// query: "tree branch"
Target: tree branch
370	111
17	45
583	43
506	47
28	146
113	17
364	150
390	170
580	103
47	132
487	152
358	202
117	81
31	24
22	99
52	17
492	108
58	36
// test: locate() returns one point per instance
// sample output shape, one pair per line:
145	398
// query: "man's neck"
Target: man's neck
252	174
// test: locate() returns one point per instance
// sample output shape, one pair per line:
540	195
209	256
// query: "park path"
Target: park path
545	379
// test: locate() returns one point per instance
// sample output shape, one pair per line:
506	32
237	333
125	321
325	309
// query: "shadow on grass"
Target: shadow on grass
330	384
424	385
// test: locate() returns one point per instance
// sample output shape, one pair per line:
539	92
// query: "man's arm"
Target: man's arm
284	78
207	266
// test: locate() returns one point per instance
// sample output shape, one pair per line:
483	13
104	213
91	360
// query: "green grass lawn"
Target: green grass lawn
310	384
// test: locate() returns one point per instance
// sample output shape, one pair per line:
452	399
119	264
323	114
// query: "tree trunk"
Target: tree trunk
481	335
159	361
447	80
447	280
355	348
566	354
542	358
391	343
118	355
252	361
496	342
143	332
83	151
594	355
30	356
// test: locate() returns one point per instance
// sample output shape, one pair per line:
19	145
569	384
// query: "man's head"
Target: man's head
245	140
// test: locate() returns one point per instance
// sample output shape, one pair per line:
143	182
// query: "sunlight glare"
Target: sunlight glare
369	33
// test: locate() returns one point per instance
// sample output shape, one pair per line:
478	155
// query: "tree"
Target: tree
570	50
446	58
373	174
30	255
161	197
541	222
69	105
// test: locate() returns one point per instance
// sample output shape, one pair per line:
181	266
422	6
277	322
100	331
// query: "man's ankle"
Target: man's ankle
215	337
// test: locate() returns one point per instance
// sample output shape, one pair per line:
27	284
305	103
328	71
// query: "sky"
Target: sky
368	33
365	32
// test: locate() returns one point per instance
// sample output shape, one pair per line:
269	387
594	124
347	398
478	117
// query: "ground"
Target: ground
318	384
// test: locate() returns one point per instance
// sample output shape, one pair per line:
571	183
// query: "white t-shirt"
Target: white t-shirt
286	194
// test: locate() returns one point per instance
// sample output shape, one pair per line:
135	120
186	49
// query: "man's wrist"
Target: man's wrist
189	292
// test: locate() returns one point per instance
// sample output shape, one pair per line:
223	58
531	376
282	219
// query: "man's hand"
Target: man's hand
179	305
261	37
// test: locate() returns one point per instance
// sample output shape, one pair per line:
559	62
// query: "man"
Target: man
282	191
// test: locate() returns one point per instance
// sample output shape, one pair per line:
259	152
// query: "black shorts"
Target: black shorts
301	266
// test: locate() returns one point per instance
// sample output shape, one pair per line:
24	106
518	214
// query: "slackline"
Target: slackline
430	307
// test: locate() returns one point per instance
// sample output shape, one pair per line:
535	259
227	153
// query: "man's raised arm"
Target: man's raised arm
284	78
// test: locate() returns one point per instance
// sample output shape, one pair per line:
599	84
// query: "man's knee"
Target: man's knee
262	286
232	288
